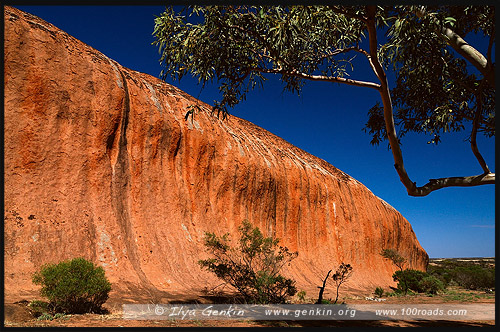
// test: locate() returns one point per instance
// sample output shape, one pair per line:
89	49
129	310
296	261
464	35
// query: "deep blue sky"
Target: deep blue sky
327	121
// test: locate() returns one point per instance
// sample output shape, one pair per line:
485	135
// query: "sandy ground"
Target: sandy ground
17	315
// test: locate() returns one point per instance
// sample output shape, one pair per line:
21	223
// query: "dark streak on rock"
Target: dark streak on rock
120	189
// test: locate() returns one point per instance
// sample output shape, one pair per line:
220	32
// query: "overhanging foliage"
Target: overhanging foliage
442	84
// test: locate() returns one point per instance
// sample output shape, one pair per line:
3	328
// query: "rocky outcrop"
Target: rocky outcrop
100	162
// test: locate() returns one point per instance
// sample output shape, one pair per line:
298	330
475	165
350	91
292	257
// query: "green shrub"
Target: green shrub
73	286
417	281
408	279
379	292
430	284
253	268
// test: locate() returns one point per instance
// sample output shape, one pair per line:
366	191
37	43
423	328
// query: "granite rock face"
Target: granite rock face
101	163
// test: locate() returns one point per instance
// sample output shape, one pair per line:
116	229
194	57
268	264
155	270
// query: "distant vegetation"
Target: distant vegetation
468	274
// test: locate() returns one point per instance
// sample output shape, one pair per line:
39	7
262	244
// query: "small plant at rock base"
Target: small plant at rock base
253	268
45	316
60	316
73	286
37	308
301	295
379	292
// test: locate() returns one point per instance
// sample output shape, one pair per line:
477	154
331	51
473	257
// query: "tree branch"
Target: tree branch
490	46
411	187
455	41
319	77
473	135
470	53
276	58
339	51
465	181
387	103
464	49
322	289
353	48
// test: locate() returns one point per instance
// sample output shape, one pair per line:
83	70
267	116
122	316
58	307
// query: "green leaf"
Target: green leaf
450	20
397	24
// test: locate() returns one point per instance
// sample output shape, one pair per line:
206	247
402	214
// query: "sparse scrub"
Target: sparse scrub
301	296
417	281
452	273
399	261
253	268
73	286
474	277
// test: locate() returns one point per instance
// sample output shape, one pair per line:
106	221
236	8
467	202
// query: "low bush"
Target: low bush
430	284
417	281
73	286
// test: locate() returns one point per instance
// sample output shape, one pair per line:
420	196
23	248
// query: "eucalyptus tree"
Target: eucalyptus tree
442	83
